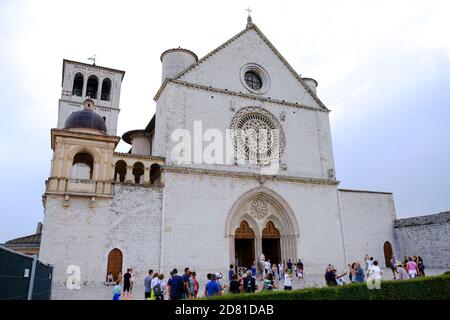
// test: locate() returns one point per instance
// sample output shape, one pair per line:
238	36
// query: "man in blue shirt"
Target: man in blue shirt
175	286
185	290
213	288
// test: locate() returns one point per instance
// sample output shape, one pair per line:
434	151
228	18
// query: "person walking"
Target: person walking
185	294
195	284
249	283
420	266
366	261
110	279
175	286
261	270
402	274
131	282
411	265
269	283
393	265
147	285
117	289
300	269
275	271
266	267
235	285
330	276
127	284
289	265
375	271
287	280
253	269
281	268
230	272
158	287
358	276
213	288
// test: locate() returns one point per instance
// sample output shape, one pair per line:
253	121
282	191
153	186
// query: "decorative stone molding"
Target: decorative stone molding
250	176
234	93
137	156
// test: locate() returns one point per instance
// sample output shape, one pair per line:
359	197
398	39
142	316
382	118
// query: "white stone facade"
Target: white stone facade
191	216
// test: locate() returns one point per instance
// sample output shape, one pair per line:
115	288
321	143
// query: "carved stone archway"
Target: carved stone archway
263	208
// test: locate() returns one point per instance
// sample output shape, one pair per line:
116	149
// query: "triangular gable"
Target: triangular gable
185	74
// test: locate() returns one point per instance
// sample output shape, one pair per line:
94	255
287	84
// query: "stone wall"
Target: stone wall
196	208
425	236
83	235
367	220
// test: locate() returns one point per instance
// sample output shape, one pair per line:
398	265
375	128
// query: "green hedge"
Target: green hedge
427	288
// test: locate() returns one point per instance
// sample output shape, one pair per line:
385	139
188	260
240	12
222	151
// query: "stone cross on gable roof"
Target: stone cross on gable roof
249	18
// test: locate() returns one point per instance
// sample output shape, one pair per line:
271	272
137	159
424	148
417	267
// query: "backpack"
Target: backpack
157	291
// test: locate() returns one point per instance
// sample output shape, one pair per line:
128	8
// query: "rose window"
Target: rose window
259	138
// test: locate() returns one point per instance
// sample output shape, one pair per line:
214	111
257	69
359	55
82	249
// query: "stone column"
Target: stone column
294	247
96	171
284	256
129	178
258	247
99	89
85	78
146	175
232	254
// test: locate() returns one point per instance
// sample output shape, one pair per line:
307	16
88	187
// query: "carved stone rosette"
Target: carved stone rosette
258	209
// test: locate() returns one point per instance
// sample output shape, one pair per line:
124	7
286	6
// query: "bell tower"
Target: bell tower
102	85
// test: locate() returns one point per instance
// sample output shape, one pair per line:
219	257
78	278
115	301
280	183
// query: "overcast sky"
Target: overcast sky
383	69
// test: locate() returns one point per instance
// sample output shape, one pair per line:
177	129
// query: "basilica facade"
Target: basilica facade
106	211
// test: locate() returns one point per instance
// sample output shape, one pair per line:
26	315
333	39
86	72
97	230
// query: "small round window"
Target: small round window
253	80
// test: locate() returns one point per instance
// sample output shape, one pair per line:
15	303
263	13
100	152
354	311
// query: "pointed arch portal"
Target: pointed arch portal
261	222
271	243
244	243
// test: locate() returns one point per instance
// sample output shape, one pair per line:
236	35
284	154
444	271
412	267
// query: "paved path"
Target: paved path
103	292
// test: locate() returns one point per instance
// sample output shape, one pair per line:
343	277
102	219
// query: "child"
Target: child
116	291
195	283
287	280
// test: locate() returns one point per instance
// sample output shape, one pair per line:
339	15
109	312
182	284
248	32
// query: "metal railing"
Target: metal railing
24	277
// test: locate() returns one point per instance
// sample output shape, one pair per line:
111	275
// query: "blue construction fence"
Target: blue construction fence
24	277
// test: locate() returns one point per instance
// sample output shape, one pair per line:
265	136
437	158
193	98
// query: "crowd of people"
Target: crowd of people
242	280
186	286
411	267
